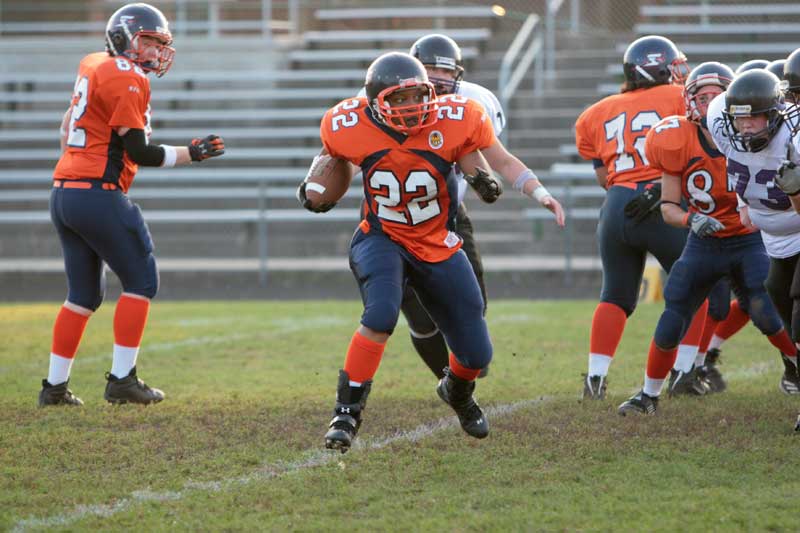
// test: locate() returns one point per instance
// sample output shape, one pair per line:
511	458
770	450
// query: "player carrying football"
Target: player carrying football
105	136
405	141
718	246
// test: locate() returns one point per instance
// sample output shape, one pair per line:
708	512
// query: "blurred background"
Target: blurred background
262	72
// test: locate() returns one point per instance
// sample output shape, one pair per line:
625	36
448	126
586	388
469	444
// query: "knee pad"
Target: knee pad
88	298
670	329
381	316
763	313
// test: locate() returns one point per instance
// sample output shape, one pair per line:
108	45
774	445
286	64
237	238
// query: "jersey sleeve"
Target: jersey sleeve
326	135
127	97
481	132
715	122
584	139
665	145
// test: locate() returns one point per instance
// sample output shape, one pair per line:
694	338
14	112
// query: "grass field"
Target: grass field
237	444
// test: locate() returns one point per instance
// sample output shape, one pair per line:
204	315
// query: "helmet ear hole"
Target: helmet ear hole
118	40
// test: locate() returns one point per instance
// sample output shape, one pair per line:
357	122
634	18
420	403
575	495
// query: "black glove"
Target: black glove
306	203
211	146
648	201
486	185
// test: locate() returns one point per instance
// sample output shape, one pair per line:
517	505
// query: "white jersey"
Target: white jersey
493	109
752	176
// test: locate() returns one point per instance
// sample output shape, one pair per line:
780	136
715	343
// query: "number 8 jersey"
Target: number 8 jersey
410	193
110	93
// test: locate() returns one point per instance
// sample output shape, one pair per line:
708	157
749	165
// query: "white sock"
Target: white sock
700	360
685	359
59	369
715	343
124	360
355	383
652	387
598	364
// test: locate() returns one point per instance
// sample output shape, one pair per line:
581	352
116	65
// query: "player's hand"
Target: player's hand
744	218
704	225
486	185
202	149
643	205
306	203
554	207
788	178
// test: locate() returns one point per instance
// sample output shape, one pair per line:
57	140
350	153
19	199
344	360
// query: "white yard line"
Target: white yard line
309	459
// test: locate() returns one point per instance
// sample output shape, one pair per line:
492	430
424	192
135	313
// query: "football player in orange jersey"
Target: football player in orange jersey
719	245
611	134
105	136
406	140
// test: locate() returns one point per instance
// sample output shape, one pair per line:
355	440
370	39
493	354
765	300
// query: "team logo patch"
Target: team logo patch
740	109
654	60
446	62
126	20
435	139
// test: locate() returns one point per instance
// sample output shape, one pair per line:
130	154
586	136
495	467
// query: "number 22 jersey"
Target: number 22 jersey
410	193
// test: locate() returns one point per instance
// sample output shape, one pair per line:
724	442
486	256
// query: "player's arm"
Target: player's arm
521	178
671	209
149	155
601	173
62	131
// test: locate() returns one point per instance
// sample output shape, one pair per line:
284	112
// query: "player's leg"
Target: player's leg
378	266
123	241
623	266
450	291
707	362
426	338
86	287
749	280
794	293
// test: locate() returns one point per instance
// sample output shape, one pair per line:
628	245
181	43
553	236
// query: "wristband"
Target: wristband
170	156
686	218
540	193
526	176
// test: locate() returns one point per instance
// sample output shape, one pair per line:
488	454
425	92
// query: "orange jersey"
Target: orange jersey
676	146
408	195
110	93
612	131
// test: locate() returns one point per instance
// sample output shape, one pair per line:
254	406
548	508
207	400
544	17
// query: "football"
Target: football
328	180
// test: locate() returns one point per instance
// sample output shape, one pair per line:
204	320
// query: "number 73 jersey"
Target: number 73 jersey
410	194
677	146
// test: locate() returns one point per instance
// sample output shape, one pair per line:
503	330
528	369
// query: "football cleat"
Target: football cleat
130	389
57	395
797	424
350	402
457	393
639	404
686	383
594	387
710	372
790	381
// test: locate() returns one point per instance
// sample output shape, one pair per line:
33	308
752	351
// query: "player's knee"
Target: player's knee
475	358
628	305
719	307
147	283
381	316
763	313
670	329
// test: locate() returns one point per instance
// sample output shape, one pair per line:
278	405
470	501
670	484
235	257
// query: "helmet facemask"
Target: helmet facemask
164	54
408	118
754	141
696	111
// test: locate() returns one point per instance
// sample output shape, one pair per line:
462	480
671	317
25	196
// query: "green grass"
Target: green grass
236	446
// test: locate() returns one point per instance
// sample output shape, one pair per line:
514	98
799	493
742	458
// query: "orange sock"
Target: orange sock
735	321
363	358
470	374
660	361
782	342
130	318
67	332
695	331
608	323
708	330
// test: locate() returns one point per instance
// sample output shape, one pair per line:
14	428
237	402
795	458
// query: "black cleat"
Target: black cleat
57	395
130	389
350	402
639	404
457	393
686	383
797	424
790	381
594	387
710	373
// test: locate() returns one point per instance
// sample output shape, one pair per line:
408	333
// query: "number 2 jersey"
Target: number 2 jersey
110	93
752	175
677	146
611	132
409	190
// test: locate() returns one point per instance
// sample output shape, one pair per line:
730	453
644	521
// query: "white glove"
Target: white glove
704	225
